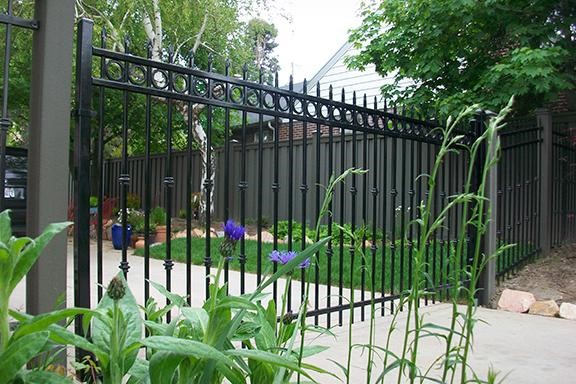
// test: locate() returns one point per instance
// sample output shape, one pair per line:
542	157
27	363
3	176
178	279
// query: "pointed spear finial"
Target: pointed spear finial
191	59
227	67
171	54
149	49
305	86
210	62
330	92
126	44
245	71
103	37
276	82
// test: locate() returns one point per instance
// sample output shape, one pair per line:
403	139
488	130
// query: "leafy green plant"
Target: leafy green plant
136	219
133	201
34	335
297	228
116	331
93	201
158	216
198	344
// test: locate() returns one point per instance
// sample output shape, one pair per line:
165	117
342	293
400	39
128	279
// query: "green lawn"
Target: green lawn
198	250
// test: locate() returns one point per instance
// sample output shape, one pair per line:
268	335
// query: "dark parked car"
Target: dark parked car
15	187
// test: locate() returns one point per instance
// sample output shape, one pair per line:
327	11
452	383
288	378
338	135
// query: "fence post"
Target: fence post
48	147
544	120
82	167
490	244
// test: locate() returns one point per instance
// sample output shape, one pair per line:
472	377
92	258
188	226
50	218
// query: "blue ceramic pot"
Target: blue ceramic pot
117	236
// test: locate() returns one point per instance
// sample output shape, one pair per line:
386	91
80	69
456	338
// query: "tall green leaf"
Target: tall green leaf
163	366
43	321
133	325
5	226
28	256
186	348
18	353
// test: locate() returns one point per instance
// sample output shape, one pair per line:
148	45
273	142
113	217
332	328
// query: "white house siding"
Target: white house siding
336	73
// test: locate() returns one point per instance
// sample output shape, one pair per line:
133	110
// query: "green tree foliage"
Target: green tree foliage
204	27
200	29
457	52
19	75
261	37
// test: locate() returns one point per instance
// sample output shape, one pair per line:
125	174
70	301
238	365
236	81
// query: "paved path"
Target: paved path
529	349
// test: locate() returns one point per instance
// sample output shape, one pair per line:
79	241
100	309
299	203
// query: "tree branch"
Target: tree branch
200	33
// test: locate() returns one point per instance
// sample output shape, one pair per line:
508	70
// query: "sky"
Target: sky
318	28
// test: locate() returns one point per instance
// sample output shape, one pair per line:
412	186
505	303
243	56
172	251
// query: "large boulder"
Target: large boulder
544	308
516	301
568	311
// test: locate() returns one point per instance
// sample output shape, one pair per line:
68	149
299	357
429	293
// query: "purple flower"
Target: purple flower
232	231
284	257
275	256
232	234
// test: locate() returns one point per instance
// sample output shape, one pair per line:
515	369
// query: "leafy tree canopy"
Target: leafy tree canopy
220	28
458	52
202	27
261	36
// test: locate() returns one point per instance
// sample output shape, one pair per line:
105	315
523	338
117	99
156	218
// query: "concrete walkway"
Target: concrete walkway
526	349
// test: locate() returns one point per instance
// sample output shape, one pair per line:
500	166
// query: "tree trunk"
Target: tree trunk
206	180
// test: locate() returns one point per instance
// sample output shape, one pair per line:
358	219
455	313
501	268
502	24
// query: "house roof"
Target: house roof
339	55
335	73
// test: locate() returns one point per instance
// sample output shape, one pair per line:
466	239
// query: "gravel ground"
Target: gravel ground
550	277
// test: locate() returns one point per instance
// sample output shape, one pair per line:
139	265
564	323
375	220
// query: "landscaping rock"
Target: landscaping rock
568	311
197	232
544	308
516	301
267	237
180	234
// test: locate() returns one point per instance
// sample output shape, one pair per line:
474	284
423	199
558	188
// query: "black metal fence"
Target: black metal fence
17	31
319	152
160	103
536	186
144	110
519	183
563	181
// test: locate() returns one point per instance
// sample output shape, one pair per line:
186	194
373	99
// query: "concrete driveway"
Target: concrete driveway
525	349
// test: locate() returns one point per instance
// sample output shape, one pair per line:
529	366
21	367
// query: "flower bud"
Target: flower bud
116	289
288	318
227	247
